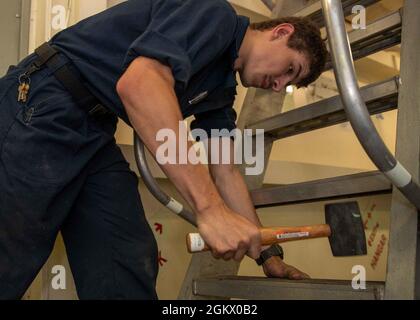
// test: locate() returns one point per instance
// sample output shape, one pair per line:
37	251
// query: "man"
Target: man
151	63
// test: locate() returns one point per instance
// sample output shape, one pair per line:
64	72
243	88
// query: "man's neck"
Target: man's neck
245	49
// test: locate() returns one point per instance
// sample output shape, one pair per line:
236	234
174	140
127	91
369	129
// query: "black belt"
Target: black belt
49	56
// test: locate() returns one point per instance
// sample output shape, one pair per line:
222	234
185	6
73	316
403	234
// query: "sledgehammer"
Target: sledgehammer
344	229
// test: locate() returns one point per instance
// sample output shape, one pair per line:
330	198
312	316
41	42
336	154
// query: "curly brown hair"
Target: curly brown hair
305	39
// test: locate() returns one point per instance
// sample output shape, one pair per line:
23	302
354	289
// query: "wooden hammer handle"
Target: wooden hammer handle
269	236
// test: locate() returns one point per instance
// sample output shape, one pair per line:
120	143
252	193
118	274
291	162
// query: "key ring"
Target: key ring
24	77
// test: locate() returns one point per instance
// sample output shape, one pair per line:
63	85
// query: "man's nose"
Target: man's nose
279	84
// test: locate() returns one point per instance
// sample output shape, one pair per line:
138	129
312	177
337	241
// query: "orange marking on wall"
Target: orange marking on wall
379	251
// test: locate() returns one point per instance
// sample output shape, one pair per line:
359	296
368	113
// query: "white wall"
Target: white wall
252	5
89	8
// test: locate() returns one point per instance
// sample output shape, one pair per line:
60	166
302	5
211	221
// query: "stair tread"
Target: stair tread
355	185
380	97
288	282
243	287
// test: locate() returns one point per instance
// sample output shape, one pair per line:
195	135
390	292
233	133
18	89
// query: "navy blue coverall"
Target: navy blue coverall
61	170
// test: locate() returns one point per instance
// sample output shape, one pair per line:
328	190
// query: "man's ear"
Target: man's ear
282	30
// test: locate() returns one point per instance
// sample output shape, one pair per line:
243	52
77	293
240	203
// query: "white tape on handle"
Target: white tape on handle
175	206
399	176
197	242
293	235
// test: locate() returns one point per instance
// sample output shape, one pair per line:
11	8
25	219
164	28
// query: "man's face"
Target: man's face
271	64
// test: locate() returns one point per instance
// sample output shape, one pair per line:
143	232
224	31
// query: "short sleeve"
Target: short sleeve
216	123
186	35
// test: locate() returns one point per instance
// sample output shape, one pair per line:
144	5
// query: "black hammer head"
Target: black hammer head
347	230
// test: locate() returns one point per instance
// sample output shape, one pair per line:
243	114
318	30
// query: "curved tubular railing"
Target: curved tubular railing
154	188
355	107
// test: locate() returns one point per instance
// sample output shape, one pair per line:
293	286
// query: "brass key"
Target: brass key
23	89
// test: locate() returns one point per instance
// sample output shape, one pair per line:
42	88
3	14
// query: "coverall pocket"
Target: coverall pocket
43	140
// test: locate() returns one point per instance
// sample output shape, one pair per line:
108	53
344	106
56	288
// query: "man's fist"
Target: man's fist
229	235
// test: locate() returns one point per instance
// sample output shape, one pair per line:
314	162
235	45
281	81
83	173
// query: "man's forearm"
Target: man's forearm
234	191
152	105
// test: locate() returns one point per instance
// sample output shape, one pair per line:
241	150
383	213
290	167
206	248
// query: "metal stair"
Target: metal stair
380	97
203	280
314	9
254	288
379	35
351	186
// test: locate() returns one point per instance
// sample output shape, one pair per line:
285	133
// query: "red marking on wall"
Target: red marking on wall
373	234
161	260
369	216
159	228
379	251
365	224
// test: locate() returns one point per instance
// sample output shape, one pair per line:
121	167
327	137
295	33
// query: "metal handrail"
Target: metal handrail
355	107
154	188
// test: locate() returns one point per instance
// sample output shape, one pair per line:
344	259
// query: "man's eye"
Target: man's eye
291	69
